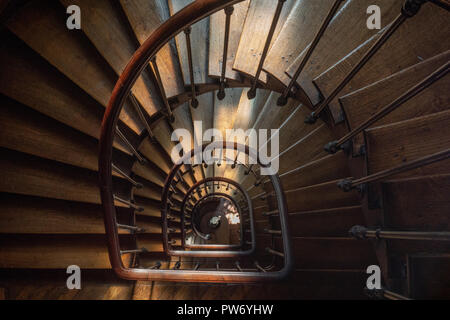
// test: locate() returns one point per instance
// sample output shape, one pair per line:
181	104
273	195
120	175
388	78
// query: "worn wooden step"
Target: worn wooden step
332	253
325	223
61	251
419	203
361	104
145	17
40	86
216	40
34	215
320	196
150	172
393	144
104	21
351	27
305	149
28	131
328	168
199	43
429	276
70	52
409	45
297	33
251	45
156	154
30	175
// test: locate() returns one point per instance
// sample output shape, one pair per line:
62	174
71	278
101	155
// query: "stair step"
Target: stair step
27	131
393	144
330	167
331	48
251	45
145	17
361	104
409	45
216	40
419	203
429	276
102	22
156	154
332	253
199	43
325	223
34	215
305	149
30	175
38	85
321	196
297	33
56	251
70	52
150	173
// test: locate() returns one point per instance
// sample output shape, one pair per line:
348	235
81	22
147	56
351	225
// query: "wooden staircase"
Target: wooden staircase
55	84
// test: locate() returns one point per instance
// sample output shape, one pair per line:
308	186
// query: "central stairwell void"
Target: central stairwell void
362	118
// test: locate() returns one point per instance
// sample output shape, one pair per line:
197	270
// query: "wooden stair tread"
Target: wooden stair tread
330	167
102	22
199	44
429	277
30	175
56	251
361	104
306	149
27	131
69	52
426	210
331	48
409	45
39	86
145	17
335	222
259	17
393	144
216	41
297	33
320	196
332	253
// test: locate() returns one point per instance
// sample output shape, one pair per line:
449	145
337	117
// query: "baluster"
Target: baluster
129	204
194	101
169	113
275	252
141	115
410	9
334	146
132	228
217	266
177	265
238	266
283	99
137	251
270	213
259	267
361	232
228	12
130	146
350	184
197	266
275	232
156	266
251	94
127	177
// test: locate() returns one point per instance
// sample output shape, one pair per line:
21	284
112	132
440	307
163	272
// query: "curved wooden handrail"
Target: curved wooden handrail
168	30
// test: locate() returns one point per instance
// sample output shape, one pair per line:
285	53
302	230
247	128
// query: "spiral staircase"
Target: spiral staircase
364	142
